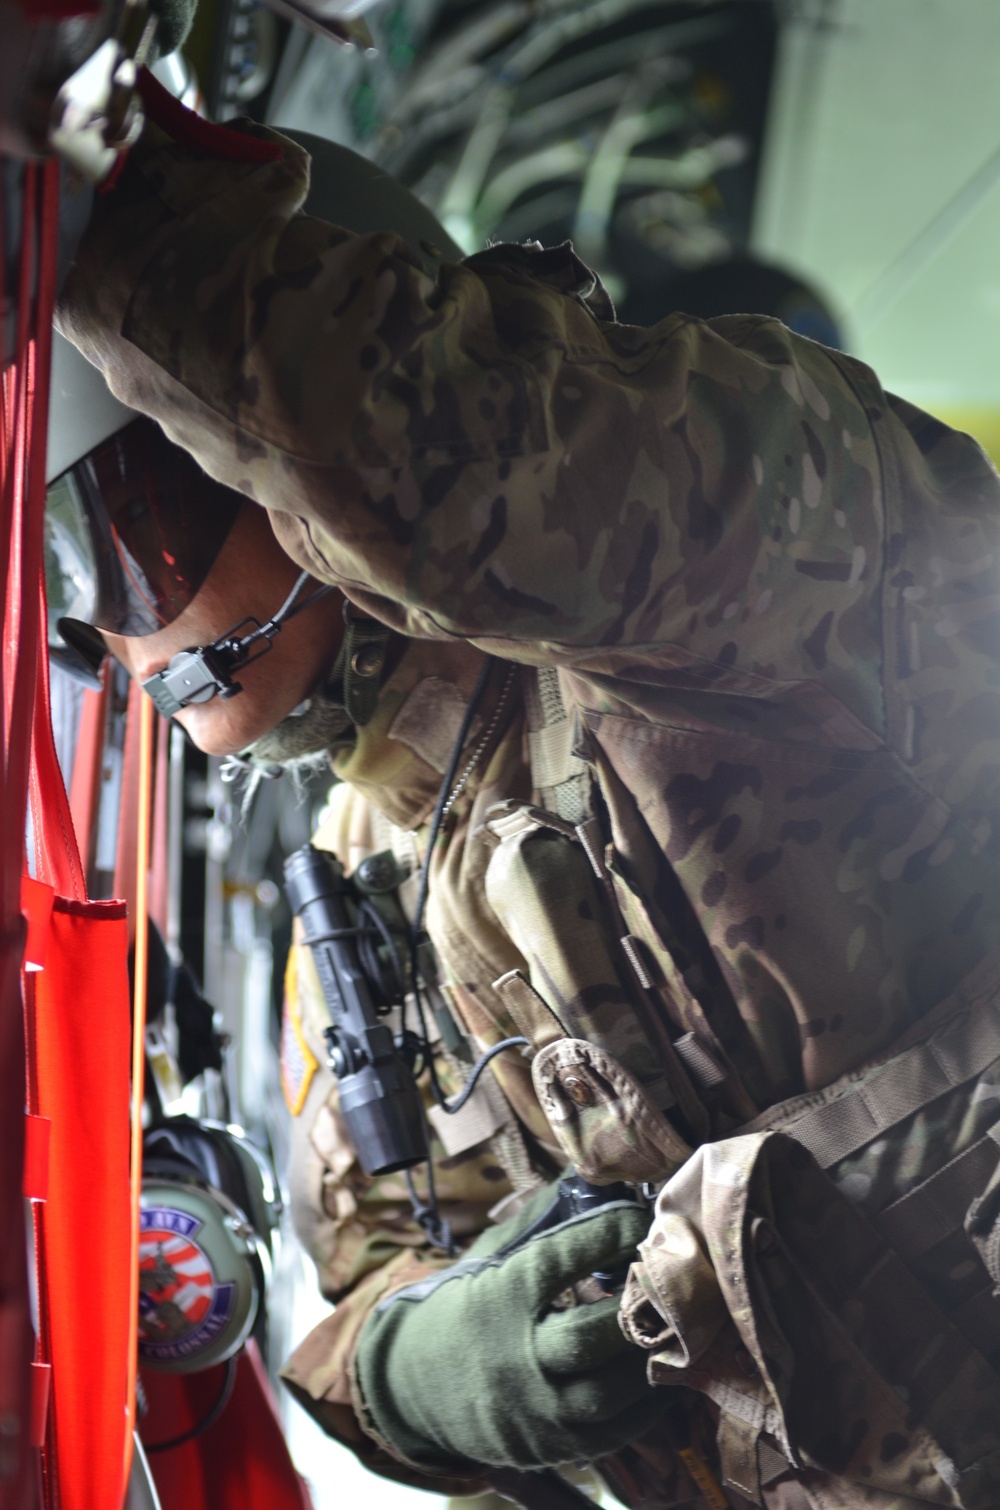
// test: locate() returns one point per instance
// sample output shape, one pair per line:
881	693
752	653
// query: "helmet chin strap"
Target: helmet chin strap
196	675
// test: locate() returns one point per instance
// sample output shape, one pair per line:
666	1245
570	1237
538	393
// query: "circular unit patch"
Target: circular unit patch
182	1305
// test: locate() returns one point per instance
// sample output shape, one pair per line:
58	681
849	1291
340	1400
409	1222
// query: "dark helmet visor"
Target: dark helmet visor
133	531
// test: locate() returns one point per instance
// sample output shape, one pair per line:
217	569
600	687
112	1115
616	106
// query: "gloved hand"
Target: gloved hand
474	1364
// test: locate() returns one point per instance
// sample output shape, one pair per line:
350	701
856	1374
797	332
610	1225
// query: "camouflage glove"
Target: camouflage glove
475	1366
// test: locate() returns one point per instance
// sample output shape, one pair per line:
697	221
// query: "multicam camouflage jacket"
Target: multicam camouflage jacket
765	593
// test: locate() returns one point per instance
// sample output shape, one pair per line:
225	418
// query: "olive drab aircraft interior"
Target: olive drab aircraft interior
258	1125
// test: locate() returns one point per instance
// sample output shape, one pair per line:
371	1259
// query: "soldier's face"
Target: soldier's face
251	578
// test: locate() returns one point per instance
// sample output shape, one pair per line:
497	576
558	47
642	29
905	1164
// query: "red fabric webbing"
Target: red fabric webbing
80	1042
36	905
23	626
37	1144
192	130
56	852
17	1492
79	1009
140	983
20	604
126	858
22	500
75	1036
41	1393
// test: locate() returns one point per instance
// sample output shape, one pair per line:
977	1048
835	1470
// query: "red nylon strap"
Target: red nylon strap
22	502
41	1389
189	129
79	1011
29	728
37	1141
20	633
36	906
76	1019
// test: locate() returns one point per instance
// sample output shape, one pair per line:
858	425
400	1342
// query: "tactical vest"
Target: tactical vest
825	1276
817	1287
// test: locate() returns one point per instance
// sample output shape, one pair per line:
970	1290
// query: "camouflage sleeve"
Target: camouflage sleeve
484	457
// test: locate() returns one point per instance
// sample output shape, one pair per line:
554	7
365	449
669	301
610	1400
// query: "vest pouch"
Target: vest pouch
540	883
763	1287
604	1120
541	886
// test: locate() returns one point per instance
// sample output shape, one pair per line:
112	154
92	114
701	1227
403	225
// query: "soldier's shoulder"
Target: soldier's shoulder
954	459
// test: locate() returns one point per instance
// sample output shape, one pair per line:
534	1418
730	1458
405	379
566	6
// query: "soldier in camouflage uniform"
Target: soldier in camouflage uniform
745	718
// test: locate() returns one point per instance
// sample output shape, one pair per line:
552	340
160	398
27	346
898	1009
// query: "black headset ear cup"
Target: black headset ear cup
351	191
185	1148
745	285
209	1206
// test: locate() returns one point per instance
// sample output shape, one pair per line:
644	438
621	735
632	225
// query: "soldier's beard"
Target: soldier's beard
307	733
302	743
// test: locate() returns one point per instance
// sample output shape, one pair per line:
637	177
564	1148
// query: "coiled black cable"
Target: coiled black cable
207	1420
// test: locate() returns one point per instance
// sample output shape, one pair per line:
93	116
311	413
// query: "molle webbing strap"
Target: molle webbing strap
533	1015
737	1441
963	1049
934	1210
770	1462
484	1114
702	1066
560	778
551	753
978	1319
925	1216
